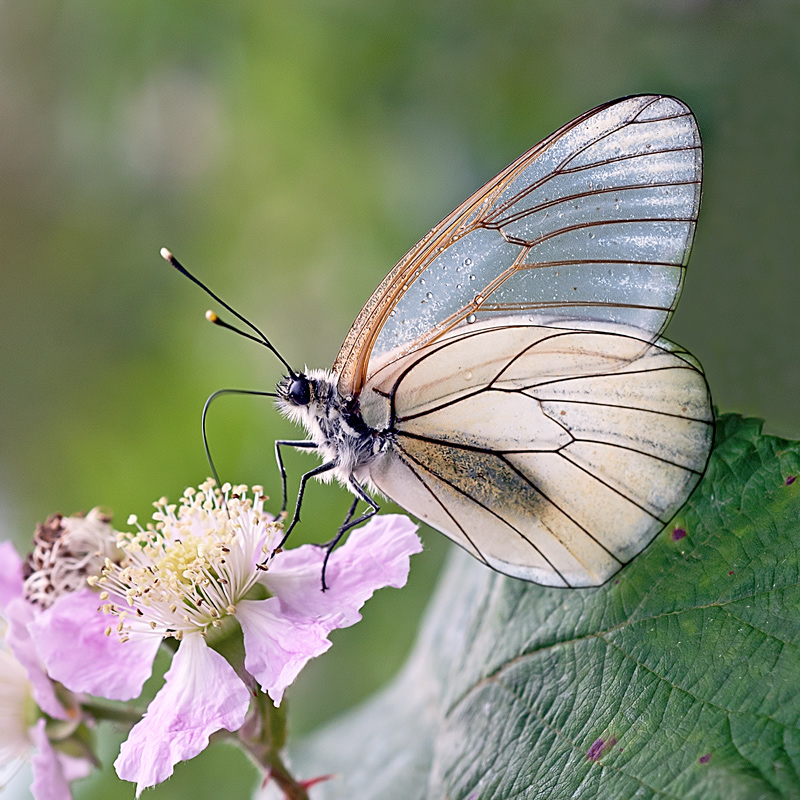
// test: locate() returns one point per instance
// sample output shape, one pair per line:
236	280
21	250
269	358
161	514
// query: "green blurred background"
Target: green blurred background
290	153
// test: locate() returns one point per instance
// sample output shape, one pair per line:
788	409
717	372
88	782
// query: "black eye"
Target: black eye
300	391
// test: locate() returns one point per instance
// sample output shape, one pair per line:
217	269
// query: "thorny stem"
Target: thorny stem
263	736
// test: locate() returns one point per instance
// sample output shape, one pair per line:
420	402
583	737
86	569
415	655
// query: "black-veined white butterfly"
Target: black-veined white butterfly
507	383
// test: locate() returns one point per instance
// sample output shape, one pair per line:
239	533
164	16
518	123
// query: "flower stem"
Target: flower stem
110	711
263	736
291	789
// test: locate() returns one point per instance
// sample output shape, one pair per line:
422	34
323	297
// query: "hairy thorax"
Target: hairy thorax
336	426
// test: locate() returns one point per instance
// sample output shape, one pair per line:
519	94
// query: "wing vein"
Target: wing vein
633	450
605	162
563	400
555	505
565	455
567	378
440	503
592	224
578	196
493	513
570	262
472	448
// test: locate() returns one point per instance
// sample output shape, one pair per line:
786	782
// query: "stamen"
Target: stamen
188	571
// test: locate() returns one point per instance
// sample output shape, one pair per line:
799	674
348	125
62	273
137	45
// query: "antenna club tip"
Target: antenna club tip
166	255
211	316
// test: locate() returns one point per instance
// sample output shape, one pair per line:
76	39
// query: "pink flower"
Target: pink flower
55	626
193	572
26	691
17	614
53	772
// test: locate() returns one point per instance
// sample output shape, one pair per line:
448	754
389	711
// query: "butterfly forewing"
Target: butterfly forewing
512	360
591	227
551	455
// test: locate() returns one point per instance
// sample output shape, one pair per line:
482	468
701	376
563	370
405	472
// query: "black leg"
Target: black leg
347	519
296	518
286	443
349	522
352	510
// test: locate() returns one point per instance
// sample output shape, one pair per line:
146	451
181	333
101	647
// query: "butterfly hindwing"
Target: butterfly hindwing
552	455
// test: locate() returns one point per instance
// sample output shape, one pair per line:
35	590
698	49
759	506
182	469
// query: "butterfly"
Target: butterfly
507	382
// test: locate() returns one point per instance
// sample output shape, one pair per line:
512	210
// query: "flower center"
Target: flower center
187	570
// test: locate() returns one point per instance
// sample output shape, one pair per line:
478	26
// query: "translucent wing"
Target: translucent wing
591	227
551	455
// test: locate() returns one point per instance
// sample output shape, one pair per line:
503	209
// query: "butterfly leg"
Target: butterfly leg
303	481
349	522
348	517
326	545
286	443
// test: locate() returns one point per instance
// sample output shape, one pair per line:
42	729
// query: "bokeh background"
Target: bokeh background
290	153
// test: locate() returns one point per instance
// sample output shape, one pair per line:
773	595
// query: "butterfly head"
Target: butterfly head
296	390
300	390
304	393
297	395
310	399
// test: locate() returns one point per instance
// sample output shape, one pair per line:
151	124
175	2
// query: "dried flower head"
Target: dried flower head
66	552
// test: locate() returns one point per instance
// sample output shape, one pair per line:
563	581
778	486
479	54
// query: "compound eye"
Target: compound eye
300	391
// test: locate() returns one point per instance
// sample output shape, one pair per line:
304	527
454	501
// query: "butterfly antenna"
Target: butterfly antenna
261	339
212	397
211	316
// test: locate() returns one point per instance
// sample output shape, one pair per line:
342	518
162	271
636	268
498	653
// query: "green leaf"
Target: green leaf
679	679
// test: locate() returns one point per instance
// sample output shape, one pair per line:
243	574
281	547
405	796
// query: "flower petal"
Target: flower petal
374	556
10	574
70	637
283	633
20	614
201	694
53	771
277	643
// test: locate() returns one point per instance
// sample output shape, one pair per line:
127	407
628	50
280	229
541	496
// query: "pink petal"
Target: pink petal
277	644
20	614
10	574
70	637
374	556
283	633
73	768
52	771
201	694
